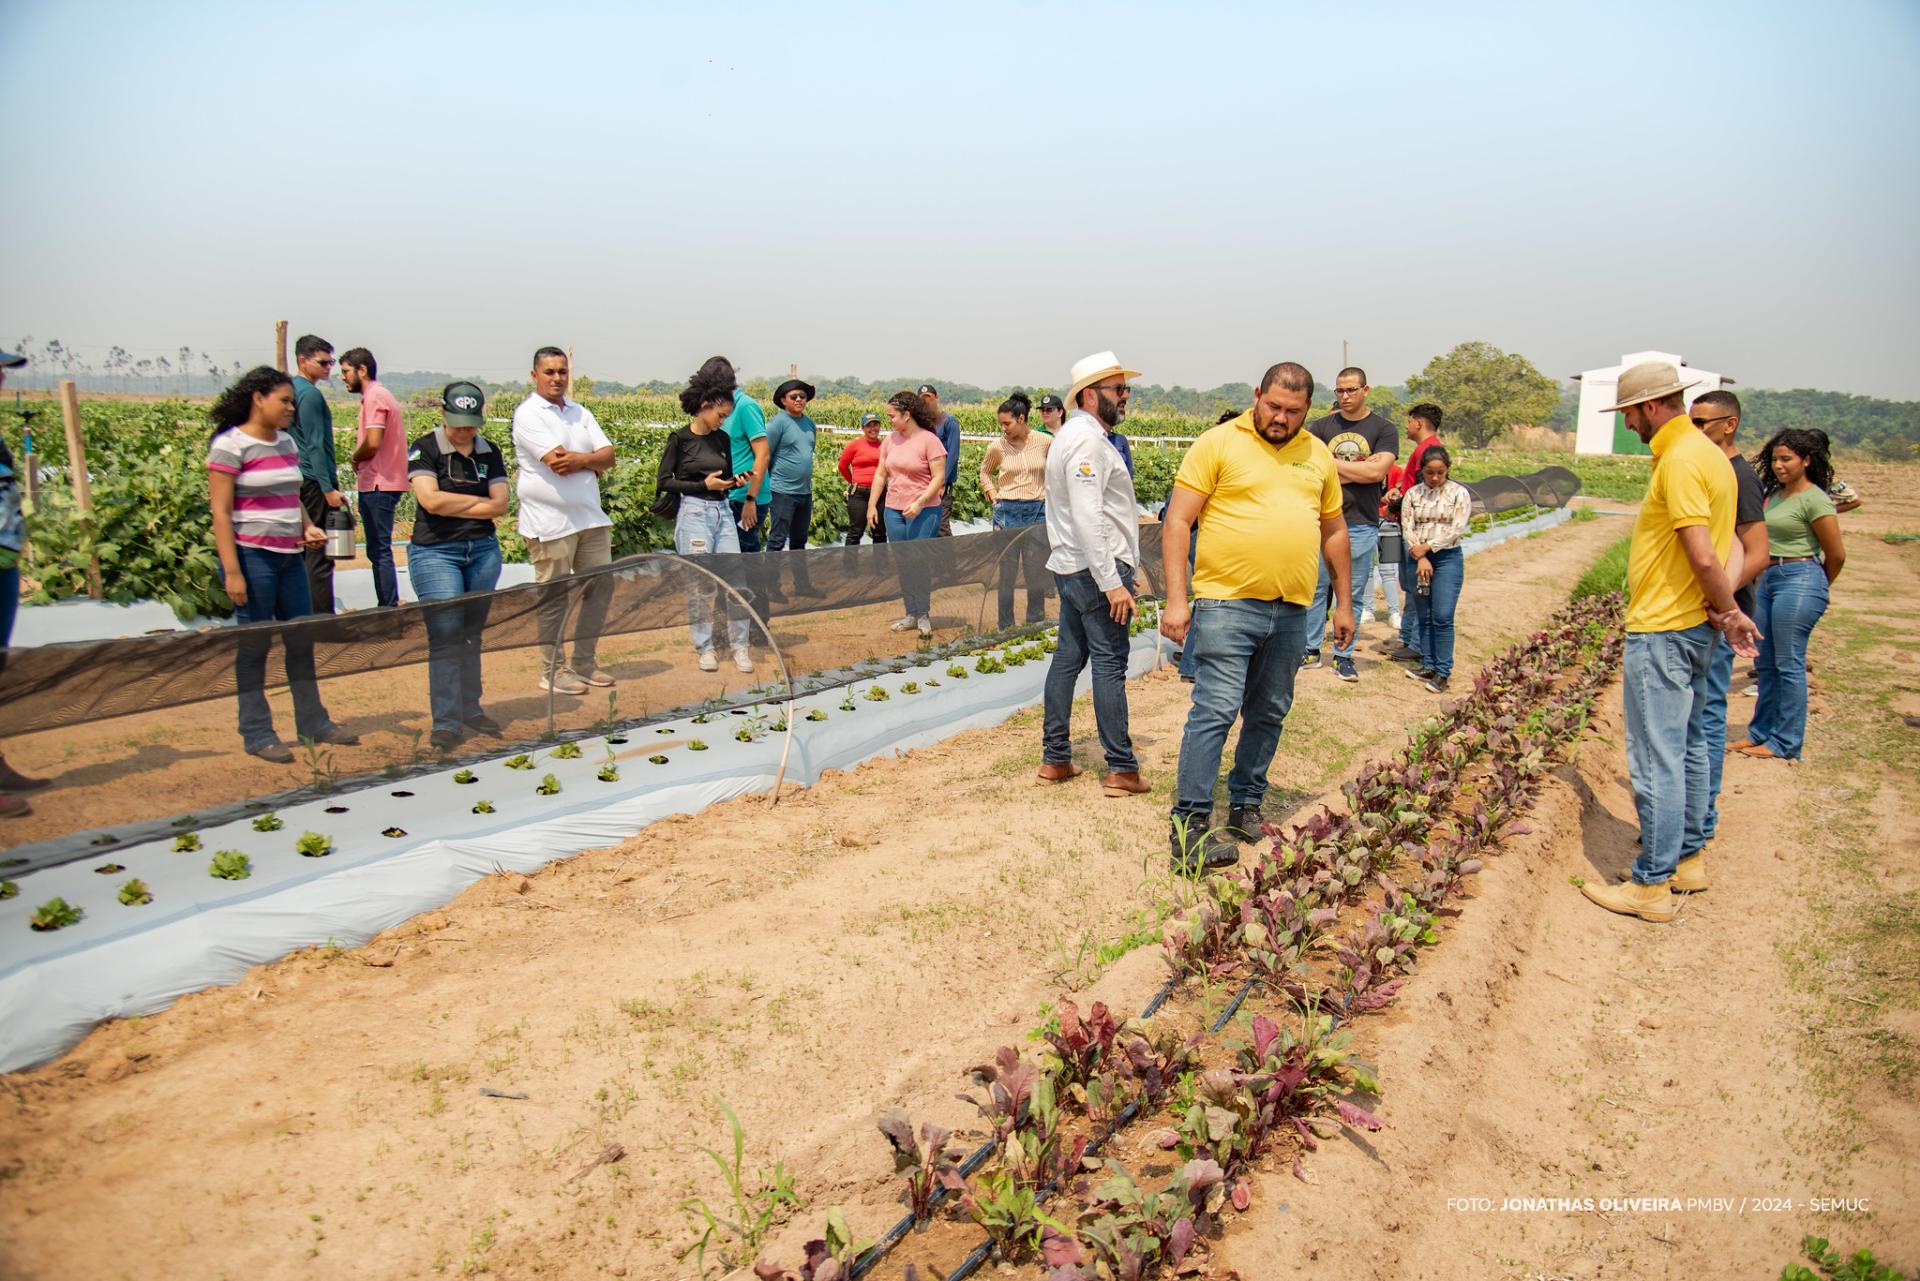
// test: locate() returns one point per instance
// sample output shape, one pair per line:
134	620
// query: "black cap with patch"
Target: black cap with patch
463	404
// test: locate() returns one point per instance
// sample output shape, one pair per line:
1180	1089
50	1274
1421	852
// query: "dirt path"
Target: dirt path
813	965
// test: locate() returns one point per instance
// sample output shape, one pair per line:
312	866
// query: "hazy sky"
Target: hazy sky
985	191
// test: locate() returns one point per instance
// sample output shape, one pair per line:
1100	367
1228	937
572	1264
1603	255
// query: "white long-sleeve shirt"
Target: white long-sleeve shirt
1092	518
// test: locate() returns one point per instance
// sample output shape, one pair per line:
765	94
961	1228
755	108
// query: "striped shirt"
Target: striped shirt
266	488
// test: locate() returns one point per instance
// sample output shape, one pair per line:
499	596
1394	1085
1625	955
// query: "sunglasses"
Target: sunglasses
1702	422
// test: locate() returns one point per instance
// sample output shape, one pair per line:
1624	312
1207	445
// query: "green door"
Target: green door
1624	441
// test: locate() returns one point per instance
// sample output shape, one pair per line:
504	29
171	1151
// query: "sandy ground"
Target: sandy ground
858	946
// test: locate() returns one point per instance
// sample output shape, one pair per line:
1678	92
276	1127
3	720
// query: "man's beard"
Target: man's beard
1108	410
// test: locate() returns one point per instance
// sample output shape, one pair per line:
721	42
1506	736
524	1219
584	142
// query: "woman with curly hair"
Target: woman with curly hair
697	466
907	488
260	528
1804	556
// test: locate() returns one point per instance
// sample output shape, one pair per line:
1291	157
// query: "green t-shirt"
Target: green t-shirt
746	424
1790	520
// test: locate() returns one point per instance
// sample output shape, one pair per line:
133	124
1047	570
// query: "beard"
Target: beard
1107	409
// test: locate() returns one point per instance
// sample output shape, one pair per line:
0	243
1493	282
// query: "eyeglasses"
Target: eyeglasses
325	364
1348	391
1118	389
1702	422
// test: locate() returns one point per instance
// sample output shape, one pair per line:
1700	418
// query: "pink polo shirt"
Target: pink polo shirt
387	469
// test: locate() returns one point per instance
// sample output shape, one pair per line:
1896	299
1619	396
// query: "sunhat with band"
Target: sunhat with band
1653	380
1089	370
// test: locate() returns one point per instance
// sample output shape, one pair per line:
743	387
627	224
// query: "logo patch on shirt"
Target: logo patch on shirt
465	402
413	456
1084	471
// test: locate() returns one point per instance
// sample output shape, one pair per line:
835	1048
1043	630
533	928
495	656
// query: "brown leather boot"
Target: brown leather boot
12	780
1690	877
14	806
1125	785
1059	773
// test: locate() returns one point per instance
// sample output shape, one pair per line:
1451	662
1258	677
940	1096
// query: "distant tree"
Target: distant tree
1484	391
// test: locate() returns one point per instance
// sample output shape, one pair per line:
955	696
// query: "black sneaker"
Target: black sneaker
1421	674
1203	847
485	724
1311	659
1438	684
1246	821
1404	654
445	740
1344	669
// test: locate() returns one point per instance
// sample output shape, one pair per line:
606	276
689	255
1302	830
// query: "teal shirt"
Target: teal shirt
746	424
1790	520
313	435
790	444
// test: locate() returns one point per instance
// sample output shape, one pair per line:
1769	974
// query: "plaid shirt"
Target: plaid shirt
1436	517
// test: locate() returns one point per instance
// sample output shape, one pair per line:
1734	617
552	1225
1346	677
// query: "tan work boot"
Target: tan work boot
1128	784
1050	773
1630	898
1691	876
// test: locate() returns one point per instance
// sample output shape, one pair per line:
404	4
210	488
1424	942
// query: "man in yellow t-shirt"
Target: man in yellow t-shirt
1272	499
1680	575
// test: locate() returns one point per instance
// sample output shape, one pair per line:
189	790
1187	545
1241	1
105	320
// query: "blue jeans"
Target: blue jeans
1789	600
1719	681
1436	610
442	571
1189	666
1025	558
9	606
1245	655
1415	605
1361	539
792	515
1089	634
704	527
1666	691
276	592
376	518
749	539
916	590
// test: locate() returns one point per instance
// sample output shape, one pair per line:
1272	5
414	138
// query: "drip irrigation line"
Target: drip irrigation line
898	1232
1160	997
1234	1006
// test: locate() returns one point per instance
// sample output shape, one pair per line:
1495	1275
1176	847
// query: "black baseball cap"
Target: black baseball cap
1051	401
463	404
928	389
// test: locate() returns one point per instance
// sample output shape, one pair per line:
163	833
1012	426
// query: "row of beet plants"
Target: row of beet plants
1426	816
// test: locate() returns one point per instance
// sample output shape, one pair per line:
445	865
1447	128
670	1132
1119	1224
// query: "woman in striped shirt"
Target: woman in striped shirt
259	527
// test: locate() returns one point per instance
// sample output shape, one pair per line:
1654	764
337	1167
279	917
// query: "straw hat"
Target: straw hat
1649	381
1089	370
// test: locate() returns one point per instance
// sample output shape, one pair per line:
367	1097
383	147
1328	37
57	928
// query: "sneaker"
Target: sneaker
925	625
1404	654
1366	614
1311	660
445	740
1438	684
14	806
1246	822
12	780
708	661
590	673
484	724
1393	620
904	623
1203	847
564	682
1420	674
742	660
276	751
1344	669
1751	691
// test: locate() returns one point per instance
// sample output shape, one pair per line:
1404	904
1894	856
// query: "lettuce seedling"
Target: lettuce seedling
230	865
395	832
135	893
483	807
958	672
567	752
464	776
988	665
54	914
695	745
268	822
609	773
108	869
922	1162
313	845
522	761
549	786
656	760
910	687
815	714
876	694
9	888
187	843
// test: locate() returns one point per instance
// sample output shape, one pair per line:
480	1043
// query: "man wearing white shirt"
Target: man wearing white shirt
563	454
1093	527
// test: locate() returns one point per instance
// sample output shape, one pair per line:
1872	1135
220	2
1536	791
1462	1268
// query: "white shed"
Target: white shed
1602	433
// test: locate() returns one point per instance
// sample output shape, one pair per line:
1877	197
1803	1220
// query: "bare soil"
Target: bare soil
862	943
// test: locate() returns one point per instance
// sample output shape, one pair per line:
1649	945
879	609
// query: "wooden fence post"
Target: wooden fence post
82	486
280	345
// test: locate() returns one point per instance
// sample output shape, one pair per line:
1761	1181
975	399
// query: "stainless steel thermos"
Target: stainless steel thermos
338	522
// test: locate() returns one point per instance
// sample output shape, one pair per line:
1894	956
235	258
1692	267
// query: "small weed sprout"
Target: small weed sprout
739	1229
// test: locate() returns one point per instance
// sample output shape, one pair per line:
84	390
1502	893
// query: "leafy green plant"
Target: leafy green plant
187	843
230	865
988	665
956	671
695	745
656	760
464	776
522	761
313	845
876	694
910	687
756	1204
135	893
108	869
268	822
549	786
923	1161
320	767
9	888
1859	1266
608	773
815	714
567	752
395	832
483	807
829	1257
55	914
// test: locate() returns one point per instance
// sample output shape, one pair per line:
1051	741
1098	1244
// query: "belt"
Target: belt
1789	560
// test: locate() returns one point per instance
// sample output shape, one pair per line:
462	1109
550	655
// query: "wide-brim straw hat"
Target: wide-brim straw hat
1653	380
1089	370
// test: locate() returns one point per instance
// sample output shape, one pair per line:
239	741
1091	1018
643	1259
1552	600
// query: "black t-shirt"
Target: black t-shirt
1353	442
688	458
1748	507
433	455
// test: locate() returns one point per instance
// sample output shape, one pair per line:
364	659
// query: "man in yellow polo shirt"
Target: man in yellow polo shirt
1680	576
1271	495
